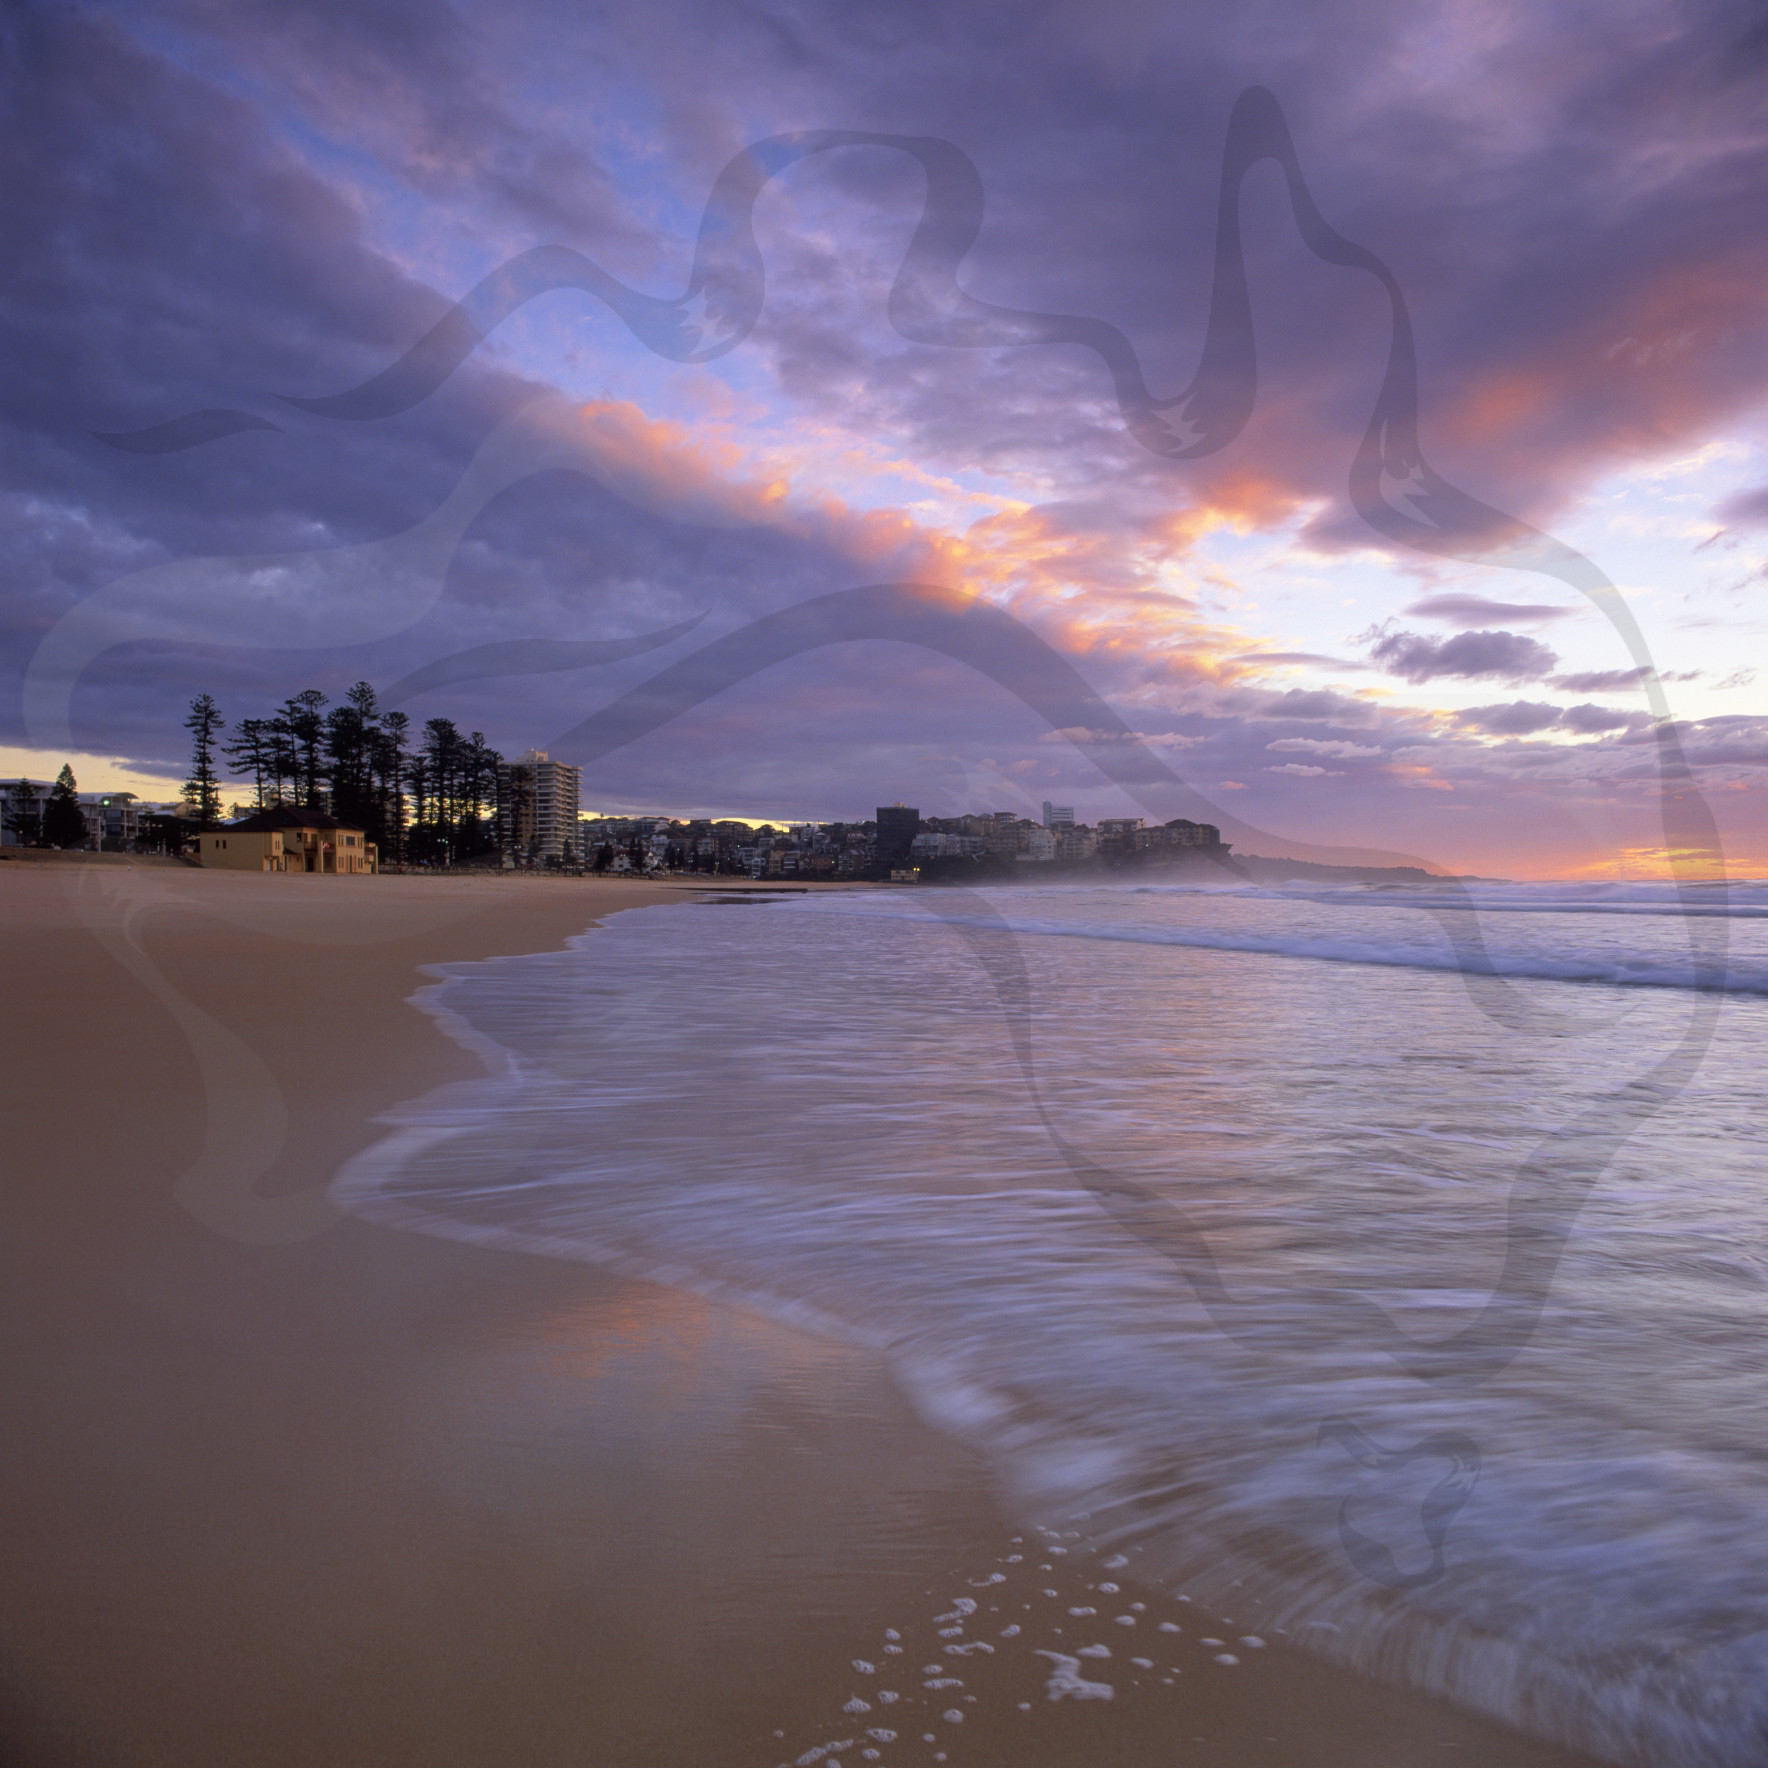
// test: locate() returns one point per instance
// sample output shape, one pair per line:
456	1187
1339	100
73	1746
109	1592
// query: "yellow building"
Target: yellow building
286	839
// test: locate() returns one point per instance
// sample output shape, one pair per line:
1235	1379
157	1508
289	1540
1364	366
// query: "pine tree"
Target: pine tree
253	751
24	813
64	824
392	765
305	727
202	789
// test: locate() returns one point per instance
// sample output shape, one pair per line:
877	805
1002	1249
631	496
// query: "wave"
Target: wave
1615	970
756	1144
1730	901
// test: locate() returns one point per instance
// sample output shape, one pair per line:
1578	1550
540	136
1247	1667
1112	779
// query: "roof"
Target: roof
285	816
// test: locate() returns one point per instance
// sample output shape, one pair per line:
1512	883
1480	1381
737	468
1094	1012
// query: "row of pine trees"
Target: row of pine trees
424	799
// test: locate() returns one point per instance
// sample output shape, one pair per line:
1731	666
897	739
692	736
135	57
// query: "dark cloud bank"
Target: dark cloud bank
197	207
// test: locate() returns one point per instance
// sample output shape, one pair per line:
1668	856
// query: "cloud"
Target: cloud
1474	607
1518	718
1616	681
1601	681
1502	656
1302	770
224	202
1589	719
1322	746
1745	509
1316	704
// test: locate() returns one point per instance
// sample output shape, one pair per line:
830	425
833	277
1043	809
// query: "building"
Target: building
1182	832
111	820
1058	816
937	844
1075	845
285	838
898	825
537	806
111	817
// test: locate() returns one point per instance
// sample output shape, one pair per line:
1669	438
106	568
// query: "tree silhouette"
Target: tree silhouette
64	824
306	729
201	788
253	751
24	814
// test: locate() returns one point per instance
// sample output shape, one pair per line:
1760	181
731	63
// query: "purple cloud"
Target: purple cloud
1500	656
1590	719
1517	718
1464	608
1745	509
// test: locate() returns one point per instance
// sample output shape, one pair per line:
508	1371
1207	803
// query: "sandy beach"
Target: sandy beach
283	1487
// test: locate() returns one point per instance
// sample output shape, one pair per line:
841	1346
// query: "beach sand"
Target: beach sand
285	1488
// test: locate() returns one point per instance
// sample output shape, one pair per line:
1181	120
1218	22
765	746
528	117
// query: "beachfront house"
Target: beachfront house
285	838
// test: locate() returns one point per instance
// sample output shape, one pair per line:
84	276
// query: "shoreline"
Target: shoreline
364	1495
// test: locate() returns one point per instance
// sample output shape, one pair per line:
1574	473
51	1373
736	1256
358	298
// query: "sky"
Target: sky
679	389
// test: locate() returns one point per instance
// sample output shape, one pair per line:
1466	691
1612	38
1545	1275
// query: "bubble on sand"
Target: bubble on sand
1143	1663
822	1750
1226	1657
1169	1626
863	1667
856	1705
952	1716
1083	1611
1253	1641
1011	1632
1067	1683
1109	1589
1094	1651
1116	1563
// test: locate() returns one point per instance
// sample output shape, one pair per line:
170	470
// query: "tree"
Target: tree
391	767
24	814
305	728
201	788
253	751
64	823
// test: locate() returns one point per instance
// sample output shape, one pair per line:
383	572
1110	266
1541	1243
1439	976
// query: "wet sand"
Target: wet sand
282	1487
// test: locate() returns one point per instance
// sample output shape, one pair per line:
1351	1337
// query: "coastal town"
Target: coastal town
341	792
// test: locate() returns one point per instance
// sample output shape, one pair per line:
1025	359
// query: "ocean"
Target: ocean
1385	1263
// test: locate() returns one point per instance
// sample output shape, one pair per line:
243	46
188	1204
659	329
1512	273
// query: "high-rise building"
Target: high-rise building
537	801
1058	816
898	825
